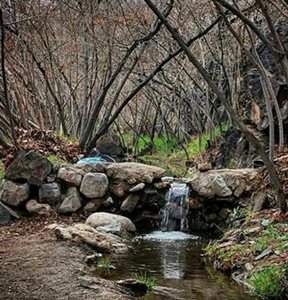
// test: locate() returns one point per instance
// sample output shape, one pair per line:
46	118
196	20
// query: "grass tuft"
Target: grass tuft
149	281
105	264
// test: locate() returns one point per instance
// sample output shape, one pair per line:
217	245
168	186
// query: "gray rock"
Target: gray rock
14	194
100	219
71	202
93	258
49	193
82	233
94	185
31	166
70	175
220	187
93	205
130	203
109	202
33	207
6	214
222	183
139	187
134	172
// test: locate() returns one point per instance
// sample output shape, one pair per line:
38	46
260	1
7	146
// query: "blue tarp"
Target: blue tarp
89	160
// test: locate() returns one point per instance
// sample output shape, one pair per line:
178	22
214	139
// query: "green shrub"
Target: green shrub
149	281
268	282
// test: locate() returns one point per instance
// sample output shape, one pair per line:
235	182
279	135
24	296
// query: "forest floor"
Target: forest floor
34	265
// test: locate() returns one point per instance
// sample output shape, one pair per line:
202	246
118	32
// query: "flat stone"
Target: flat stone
130	203
49	193
70	175
71	202
94	185
137	188
14	194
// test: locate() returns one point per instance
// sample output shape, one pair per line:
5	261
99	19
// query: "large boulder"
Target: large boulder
94	185
49	193
35	208
111	223
83	233
71	202
134	173
225	183
30	166
14	194
70	175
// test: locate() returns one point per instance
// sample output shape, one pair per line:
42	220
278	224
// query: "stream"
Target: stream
174	259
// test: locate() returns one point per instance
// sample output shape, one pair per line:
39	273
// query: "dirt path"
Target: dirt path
33	265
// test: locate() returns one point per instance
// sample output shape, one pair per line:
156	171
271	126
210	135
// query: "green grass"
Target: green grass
168	154
105	264
149	281
56	160
268	282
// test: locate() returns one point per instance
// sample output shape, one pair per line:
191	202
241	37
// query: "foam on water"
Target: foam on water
168	236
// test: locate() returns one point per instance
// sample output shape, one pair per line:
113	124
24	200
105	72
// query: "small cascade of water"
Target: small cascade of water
174	214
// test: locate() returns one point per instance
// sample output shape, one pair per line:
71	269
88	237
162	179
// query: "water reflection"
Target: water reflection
174	258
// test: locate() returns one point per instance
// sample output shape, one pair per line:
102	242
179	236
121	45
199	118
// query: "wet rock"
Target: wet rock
130	203
93	205
139	187
70	175
49	193
135	287
6	214
85	234
119	225
35	208
30	166
94	185
14	194
71	202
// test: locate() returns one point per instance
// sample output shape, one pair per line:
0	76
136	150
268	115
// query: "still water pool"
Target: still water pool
174	259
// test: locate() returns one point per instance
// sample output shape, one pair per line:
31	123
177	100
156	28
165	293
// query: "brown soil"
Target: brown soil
34	265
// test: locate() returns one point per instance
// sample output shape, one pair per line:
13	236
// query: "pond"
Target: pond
174	259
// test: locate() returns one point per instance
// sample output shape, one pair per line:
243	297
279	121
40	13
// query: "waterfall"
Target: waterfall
174	214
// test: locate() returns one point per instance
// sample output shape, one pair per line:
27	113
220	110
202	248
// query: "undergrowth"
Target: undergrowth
2	173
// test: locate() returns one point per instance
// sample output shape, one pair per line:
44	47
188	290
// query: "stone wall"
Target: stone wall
35	186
